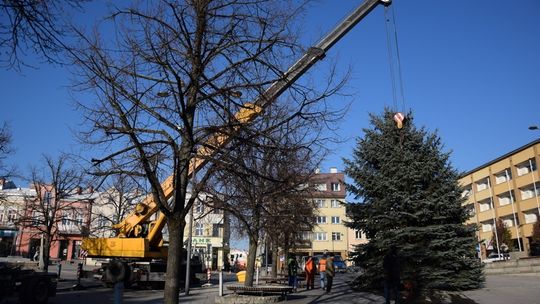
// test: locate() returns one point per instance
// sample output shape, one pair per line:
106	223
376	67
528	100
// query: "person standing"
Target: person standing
391	275
293	272
322	271
505	250
310	273
36	254
330	272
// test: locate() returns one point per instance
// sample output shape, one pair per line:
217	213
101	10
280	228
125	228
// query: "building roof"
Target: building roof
532	143
328	179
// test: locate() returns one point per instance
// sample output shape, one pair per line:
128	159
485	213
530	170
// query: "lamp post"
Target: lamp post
534	127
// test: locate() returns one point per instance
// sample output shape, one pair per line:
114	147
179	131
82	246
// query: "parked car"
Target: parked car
339	264
494	256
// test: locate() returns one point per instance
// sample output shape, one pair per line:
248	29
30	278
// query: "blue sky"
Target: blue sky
471	71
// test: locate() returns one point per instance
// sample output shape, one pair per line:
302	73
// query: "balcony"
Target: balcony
303	244
72	230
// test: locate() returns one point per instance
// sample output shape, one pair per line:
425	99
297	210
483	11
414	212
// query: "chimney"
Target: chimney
2	182
91	189
317	170
78	190
333	170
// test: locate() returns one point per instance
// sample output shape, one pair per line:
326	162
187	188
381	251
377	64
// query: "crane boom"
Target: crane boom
129	243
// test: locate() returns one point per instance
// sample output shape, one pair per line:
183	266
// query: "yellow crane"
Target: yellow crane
130	243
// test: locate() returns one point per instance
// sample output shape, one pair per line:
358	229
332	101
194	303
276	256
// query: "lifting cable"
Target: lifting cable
394	61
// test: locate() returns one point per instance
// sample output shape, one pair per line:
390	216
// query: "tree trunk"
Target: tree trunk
252	256
275	259
46	252
174	260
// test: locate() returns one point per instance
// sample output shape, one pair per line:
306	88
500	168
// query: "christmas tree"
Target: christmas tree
410	199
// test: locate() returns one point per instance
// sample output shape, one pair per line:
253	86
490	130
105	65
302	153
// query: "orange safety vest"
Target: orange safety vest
322	265
310	267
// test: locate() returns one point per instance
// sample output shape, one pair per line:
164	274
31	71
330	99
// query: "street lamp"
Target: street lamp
534	127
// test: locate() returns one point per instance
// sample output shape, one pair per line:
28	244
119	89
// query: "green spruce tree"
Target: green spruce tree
411	199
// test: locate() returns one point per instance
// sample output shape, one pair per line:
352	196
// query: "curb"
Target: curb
76	287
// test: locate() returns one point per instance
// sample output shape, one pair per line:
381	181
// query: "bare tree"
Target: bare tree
121	193
263	182
5	148
33	26
292	222
169	81
57	204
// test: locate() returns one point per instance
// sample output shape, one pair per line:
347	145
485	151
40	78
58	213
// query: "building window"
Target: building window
528	191
320	236
503	176
530	217
335	203
65	219
305	235
12	216
486	226
320	203
102	221
482	184
526	167
47	198
336	236
216	230
321	219
467	191
35	218
199	207
320	187
509	221
78	219
485	204
335	220
199	229
336	186
506	198
358	234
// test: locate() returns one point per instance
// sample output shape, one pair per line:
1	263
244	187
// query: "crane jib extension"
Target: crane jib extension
129	243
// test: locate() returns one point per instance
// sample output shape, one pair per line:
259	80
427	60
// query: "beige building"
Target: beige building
506	188
330	233
210	234
356	237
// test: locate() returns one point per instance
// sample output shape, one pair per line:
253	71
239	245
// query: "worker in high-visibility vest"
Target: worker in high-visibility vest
310	269
322	270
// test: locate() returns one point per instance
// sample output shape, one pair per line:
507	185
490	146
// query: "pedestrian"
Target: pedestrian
322	270
310	273
292	266
505	249
330	272
391	266
36	254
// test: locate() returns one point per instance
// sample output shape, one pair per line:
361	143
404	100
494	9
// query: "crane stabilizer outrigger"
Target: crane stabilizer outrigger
130	243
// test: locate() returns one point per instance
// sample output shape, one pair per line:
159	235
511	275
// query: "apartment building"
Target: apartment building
329	233
210	234
505	188
11	204
71	224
